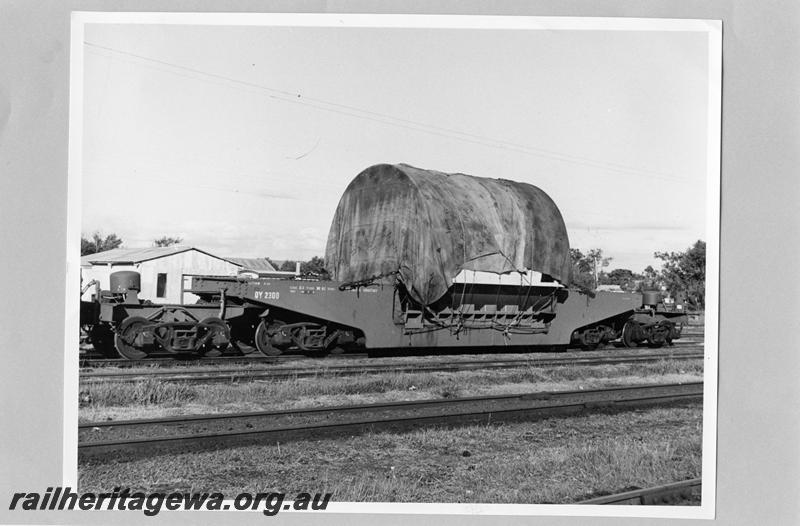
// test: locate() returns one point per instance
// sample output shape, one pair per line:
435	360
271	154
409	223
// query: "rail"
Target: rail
244	375
110	438
664	494
87	361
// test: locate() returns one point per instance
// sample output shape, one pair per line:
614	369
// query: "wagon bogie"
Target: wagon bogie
281	331
595	336
651	328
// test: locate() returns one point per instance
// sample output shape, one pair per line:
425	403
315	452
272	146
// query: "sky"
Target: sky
241	139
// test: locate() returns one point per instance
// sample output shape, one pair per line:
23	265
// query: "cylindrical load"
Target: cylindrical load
428	226
651	297
125	280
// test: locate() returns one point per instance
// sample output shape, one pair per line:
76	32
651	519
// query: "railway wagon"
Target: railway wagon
418	259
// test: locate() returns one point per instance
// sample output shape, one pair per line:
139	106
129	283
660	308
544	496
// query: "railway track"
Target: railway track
108	439
90	361
686	490
242	375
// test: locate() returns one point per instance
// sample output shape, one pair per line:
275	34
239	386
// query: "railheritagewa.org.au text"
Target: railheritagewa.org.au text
152	503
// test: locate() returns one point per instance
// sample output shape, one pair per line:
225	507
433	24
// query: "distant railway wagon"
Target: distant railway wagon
419	259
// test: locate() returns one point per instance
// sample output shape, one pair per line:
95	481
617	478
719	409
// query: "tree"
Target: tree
288	266
98	243
315	266
597	261
623	277
165	241
650	273
650	279
684	273
581	269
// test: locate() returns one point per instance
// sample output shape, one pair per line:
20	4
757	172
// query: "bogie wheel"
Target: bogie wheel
628	331
128	339
102	338
263	339
218	339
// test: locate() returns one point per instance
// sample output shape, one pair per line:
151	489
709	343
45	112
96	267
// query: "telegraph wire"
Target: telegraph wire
351	111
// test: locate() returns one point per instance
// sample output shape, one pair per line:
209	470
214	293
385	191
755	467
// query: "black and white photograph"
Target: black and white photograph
395	263
401	263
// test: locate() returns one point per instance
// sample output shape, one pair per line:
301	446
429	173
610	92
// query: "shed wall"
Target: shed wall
174	266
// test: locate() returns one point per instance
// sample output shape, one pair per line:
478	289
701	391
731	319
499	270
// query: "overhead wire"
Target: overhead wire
360	113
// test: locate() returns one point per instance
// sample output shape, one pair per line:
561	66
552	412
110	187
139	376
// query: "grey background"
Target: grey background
758	424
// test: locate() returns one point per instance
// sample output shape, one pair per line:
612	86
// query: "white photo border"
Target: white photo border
713	30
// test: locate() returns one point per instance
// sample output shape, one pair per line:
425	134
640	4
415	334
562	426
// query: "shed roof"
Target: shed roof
130	256
254	264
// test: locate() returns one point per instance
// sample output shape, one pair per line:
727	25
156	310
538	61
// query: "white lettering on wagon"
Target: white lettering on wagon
266	295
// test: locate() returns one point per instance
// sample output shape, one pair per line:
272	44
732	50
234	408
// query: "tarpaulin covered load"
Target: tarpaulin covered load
430	225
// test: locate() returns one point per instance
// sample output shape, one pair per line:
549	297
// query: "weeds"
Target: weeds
105	399
146	392
549	461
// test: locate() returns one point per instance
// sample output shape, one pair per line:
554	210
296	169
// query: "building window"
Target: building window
161	285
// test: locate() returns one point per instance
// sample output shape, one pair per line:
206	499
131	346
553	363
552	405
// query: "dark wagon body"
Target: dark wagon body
380	315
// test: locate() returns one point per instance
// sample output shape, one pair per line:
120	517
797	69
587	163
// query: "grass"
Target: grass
144	393
152	398
548	461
